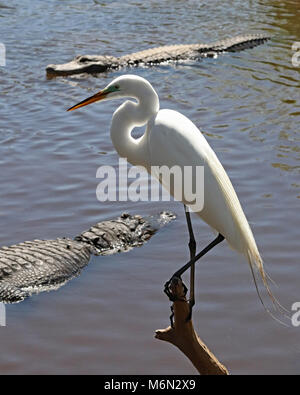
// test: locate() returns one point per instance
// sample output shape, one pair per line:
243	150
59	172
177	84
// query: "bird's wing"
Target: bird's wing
175	141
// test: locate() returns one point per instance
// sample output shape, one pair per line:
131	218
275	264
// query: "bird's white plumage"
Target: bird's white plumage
174	140
171	139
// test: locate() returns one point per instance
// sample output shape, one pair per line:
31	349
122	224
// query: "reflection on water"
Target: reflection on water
246	103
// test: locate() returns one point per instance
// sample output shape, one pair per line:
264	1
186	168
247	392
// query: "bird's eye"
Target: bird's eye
117	87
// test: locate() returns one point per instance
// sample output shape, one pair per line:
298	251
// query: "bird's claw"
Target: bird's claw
170	294
169	291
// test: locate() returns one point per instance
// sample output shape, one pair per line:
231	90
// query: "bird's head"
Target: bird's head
123	86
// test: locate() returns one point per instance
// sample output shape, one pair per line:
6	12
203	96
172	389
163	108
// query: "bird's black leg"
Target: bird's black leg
180	272
192	247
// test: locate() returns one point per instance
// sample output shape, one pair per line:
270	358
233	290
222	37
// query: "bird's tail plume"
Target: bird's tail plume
256	264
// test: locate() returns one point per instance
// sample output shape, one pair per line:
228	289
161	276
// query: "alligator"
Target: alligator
94	64
43	265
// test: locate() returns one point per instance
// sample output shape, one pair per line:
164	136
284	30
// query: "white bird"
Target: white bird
171	139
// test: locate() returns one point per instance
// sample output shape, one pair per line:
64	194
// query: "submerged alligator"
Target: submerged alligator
42	265
94	64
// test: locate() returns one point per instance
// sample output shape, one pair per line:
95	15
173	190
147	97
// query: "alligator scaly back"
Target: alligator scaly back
44	265
93	64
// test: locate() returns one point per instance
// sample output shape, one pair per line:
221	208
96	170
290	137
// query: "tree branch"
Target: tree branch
183	335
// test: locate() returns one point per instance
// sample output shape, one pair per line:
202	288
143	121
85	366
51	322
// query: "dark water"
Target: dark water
248	106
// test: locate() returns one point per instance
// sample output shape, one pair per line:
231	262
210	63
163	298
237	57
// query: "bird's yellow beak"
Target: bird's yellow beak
92	99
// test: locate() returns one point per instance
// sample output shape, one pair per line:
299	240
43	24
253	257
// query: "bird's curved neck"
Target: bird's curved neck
128	116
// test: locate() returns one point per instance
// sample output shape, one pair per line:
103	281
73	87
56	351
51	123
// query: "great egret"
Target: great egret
172	139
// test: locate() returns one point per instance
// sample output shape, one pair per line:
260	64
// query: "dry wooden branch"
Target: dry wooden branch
183	335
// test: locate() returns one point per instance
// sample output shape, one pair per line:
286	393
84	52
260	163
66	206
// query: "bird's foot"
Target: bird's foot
169	288
169	291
